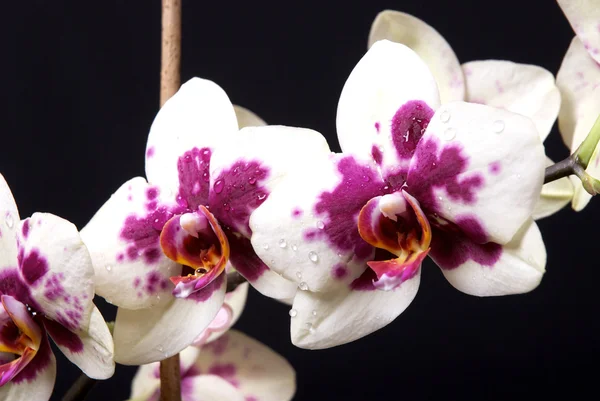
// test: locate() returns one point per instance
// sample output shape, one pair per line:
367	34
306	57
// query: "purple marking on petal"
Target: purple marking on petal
343	204
450	247
218	347
41	361
297	212
433	169
63	337
365	281
243	257
151	193
33	266
377	127
120	257
472	228
408	126
226	371
207	292
25	228
53	288
339	271
136	282
494	168
12	284
236	200
153	283
150	152
377	155
194	177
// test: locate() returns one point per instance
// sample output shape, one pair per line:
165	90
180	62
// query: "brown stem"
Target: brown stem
170	376
171	49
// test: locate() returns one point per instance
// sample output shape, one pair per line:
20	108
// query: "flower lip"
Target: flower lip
19	335
195	240
397	224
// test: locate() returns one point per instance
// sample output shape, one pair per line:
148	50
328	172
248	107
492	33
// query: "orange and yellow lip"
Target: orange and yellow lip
396	223
198	241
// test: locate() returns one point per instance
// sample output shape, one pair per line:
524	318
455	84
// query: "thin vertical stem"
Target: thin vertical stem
171	49
170	375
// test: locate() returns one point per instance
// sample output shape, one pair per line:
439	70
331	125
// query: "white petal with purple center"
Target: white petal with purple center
584	17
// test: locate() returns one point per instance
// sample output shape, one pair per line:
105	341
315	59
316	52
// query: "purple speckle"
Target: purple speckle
153	283
136	282
343	204
120	257
297	212
226	371
194	177
151	193
494	168
431	170
377	155
25	228
251	398
377	127
150	152
339	271
63	337
53	288
408	126
33	266
470	226
219	346
236	200
450	247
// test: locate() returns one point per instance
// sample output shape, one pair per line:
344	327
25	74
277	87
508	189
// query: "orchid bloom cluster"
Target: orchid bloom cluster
439	159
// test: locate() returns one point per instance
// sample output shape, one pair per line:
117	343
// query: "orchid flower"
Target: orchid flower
458	183
233	368
160	247
579	81
521	88
46	290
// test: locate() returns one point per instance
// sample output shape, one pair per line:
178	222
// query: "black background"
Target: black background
80	84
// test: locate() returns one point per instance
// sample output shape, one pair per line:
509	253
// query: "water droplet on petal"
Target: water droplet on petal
439	198
314	313
226	207
320	225
294	248
282	243
498	126
218	187
449	134
311	329
303	286
251	180
445	116
266	246
108	267
10	222
312	255
340	255
261	195
299	275
293	312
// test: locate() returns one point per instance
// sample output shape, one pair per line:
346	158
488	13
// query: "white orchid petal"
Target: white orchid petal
153	334
555	195
388	84
247	118
583	15
235	300
525	89
252	367
210	388
403	28
466	170
131	270
56	266
91	350
326	319
199	115
492	269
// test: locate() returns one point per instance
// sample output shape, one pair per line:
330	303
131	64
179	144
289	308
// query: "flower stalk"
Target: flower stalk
170	375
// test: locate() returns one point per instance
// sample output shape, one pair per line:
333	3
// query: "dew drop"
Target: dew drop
10	222
218	187
314	313
293	312
160	348
226	207
498	126
261	195
299	275
312	255
449	134
266	246
303	286
108	267
294	248
311	329
33	313
445	116
282	243
340	255
251	180
320	225
439	198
